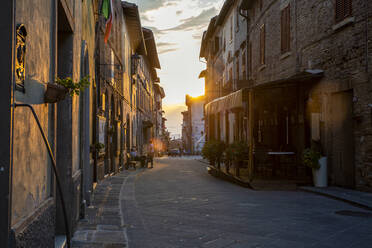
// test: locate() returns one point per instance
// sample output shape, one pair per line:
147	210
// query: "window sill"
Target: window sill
262	67
285	55
343	23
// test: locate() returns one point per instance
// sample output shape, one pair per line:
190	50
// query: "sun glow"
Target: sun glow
178	27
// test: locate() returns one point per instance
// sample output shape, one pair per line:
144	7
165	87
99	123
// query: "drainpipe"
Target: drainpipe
250	103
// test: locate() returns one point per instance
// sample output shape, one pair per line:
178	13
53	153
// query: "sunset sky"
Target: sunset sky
178	26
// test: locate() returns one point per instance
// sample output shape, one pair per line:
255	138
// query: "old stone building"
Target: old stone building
88	132
305	78
159	94
53	39
193	133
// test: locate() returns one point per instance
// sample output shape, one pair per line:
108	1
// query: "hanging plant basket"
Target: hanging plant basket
55	93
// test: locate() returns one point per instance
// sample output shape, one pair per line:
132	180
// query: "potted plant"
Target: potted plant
229	157
240	153
312	157
208	153
218	150
63	86
97	147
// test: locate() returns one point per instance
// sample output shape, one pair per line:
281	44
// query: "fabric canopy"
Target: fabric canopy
231	101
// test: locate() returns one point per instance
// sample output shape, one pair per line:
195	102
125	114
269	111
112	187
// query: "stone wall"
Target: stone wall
38	229
317	42
31	172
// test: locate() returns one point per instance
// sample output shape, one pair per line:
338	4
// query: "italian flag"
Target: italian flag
107	13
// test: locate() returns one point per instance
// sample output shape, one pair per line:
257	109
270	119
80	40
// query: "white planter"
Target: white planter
320	176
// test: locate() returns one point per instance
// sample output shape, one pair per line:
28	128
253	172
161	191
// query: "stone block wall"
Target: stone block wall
38	229
318	42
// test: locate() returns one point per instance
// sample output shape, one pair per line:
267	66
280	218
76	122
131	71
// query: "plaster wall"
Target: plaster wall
197	125
31	174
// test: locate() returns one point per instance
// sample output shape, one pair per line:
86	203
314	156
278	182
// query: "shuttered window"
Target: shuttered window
250	59
262	45
343	9
244	71
237	69
286	29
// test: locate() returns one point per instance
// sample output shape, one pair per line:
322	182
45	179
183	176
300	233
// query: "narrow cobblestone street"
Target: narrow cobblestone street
103	225
177	204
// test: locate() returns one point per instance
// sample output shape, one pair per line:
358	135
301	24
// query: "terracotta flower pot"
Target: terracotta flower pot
55	93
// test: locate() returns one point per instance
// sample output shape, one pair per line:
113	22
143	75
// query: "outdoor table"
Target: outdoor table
276	159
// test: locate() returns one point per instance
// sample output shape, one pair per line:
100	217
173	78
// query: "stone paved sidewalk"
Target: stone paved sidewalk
103	226
358	198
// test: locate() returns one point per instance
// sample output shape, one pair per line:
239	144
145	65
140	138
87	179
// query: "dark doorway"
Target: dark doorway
127	131
64	122
343	145
113	135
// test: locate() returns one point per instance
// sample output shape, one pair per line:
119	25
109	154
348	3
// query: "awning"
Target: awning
231	101
236	99
203	73
304	76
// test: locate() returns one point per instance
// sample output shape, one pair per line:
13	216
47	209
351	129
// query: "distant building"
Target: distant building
186	132
194	124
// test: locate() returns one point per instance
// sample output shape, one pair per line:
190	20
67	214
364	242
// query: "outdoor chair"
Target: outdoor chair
131	163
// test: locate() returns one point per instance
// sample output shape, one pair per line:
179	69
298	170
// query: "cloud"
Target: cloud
197	36
168	50
166	47
157	32
165	44
148	5
195	22
174	117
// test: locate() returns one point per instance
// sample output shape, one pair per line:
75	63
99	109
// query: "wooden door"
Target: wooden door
343	144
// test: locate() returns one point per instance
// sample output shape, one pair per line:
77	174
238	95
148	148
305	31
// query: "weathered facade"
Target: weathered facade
186	132
305	78
52	30
159	94
194	124
89	133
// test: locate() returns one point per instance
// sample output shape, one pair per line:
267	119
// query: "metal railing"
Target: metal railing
67	228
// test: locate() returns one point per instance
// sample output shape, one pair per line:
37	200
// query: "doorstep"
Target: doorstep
354	197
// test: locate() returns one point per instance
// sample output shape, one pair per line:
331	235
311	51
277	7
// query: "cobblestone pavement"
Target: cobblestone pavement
177	204
103	226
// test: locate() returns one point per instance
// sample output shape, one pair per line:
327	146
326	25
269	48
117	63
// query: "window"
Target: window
244	74
237	19
237	69
250	59
231	28
224	42
286	29
343	9
262	45
230	74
